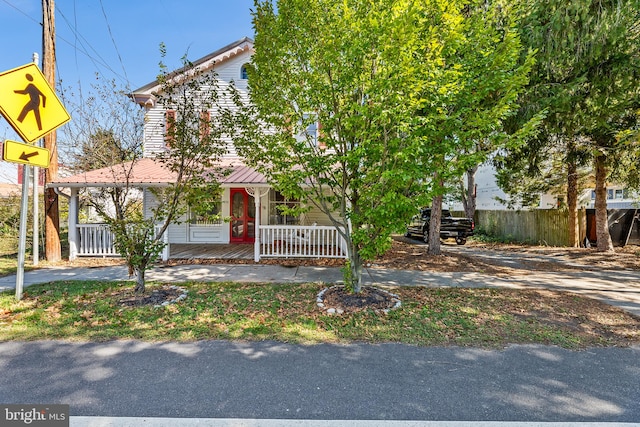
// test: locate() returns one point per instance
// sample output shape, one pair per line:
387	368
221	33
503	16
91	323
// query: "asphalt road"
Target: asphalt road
352	382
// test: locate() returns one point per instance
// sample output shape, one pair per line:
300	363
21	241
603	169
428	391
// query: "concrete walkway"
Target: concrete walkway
618	288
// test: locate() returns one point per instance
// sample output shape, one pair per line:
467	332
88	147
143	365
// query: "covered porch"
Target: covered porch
246	235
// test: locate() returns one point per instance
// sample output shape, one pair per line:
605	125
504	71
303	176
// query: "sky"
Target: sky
118	39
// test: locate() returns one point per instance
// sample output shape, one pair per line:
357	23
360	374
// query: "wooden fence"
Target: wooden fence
541	226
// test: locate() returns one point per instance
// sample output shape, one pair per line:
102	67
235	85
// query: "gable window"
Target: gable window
278	205
244	73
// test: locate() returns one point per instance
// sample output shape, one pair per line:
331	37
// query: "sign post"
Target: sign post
22	242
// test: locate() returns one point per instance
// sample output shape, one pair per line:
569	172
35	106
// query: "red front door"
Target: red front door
243	214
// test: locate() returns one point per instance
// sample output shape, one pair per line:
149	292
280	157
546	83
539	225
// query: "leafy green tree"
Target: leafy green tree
586	79
479	79
335	85
368	103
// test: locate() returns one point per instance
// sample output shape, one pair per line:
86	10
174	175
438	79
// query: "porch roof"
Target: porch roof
149	172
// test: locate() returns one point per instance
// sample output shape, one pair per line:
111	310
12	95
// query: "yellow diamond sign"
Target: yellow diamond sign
29	104
27	154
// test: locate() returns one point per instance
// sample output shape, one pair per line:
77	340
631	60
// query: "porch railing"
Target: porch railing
96	240
314	241
276	241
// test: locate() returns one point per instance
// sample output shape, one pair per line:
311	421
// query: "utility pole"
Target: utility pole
52	215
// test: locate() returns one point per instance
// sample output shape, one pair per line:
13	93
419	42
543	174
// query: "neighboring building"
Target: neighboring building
488	194
617	198
248	202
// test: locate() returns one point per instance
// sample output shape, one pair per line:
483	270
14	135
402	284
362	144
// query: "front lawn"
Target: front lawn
75	310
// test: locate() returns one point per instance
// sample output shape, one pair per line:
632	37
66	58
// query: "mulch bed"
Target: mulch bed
165	295
340	300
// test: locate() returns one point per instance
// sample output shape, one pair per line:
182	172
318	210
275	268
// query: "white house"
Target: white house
488	194
248	203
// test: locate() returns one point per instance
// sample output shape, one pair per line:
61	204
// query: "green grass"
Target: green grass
8	264
9	252
288	313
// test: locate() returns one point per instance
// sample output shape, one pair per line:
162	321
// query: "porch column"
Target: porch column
74	237
256	243
166	250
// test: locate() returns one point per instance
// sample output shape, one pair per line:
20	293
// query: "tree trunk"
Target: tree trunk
140	284
602	221
434	226
356	274
469	201
353	271
572	204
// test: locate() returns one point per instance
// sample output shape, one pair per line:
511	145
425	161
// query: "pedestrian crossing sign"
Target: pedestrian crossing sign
29	103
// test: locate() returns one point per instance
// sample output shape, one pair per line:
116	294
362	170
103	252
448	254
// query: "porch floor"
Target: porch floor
210	251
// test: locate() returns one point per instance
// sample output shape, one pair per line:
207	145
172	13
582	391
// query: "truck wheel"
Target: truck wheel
461	240
425	237
407	234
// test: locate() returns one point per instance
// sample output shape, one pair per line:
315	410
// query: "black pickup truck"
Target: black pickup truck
450	227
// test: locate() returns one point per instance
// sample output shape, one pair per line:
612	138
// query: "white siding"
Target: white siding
228	71
181	231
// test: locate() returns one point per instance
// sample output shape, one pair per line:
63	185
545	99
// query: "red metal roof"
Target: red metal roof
149	172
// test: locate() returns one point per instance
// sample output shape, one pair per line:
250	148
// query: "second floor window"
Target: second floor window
309	128
205	123
170	117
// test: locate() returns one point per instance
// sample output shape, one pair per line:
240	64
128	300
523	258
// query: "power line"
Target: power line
114	43
84	48
22	12
99	61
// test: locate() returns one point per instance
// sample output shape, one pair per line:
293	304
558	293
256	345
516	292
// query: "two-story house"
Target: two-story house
250	220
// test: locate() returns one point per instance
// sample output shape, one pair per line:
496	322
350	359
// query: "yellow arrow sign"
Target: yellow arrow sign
29	104
17	152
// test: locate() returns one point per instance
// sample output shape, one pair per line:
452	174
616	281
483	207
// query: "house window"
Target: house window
169	126
609	194
278	206
205	124
593	194
619	194
207	213
244	73
310	128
